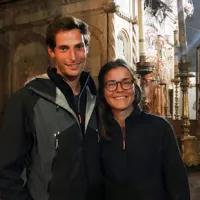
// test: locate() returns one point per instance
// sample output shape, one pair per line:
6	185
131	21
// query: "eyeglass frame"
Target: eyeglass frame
117	83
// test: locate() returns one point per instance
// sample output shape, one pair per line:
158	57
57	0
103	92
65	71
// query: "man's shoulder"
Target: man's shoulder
41	76
40	83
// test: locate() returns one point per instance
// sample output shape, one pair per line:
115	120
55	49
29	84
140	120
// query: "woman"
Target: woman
140	156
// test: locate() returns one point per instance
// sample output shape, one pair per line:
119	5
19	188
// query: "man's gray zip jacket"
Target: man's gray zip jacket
44	155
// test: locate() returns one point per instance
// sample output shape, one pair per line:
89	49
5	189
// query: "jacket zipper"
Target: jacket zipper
79	115
123	138
123	135
56	147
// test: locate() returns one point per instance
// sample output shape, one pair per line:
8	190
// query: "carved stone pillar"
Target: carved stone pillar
134	43
110	9
111	36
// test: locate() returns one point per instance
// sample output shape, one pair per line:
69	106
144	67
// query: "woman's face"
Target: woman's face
119	90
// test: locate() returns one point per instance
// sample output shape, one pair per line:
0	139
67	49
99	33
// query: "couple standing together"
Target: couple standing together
63	140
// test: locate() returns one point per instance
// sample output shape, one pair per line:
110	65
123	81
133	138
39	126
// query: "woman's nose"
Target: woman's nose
119	87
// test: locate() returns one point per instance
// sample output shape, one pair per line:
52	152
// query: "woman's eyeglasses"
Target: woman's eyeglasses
111	86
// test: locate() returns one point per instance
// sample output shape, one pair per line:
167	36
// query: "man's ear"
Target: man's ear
51	52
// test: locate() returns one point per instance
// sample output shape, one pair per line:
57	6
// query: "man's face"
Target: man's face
69	54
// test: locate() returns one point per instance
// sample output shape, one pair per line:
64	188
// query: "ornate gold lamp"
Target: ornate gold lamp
190	151
176	79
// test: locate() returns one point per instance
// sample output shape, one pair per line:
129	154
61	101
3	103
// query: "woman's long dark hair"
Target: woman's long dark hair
103	107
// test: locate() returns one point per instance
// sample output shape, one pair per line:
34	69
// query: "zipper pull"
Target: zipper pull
80	119
56	144
56	141
124	144
123	138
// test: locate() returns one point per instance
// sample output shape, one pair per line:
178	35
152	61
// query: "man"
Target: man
49	140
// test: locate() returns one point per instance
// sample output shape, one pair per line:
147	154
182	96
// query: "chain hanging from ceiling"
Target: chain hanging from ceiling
157	8
188	7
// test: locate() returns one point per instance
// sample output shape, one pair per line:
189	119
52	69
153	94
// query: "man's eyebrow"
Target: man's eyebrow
62	46
67	46
79	44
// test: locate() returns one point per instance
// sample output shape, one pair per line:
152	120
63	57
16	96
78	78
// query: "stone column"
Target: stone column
142	52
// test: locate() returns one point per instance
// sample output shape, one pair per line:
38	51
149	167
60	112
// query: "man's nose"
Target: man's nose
72	54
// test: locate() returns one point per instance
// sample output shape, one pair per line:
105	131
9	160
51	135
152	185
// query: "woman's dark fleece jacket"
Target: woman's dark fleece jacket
150	167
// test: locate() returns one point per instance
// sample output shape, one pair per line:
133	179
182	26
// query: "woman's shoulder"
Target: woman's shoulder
155	119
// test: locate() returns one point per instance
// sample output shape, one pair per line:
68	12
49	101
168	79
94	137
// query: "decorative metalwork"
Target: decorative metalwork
190	150
176	82
144	68
198	104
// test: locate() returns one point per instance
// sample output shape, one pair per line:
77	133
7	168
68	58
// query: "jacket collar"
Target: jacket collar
134	115
113	126
45	87
85	80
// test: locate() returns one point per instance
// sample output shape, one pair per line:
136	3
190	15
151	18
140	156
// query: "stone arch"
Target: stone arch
96	56
99	36
123	45
29	58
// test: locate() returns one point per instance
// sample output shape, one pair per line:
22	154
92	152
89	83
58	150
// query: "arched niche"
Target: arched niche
123	45
97	53
30	59
94	58
3	54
